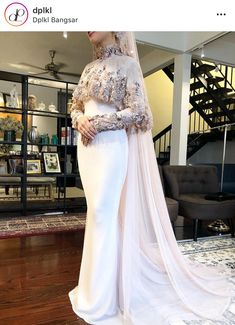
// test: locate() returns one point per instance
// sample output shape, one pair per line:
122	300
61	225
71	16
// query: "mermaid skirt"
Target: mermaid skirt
102	167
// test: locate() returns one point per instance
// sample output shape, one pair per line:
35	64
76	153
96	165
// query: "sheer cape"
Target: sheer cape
158	282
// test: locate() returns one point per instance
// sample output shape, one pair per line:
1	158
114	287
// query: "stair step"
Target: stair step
206	96
223	90
214	79
220	123
229	100
231	95
218	114
204	68
226	101
209	80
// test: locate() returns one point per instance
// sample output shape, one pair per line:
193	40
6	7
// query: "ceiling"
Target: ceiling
33	48
155	49
220	50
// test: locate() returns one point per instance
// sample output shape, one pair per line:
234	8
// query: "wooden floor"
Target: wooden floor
37	272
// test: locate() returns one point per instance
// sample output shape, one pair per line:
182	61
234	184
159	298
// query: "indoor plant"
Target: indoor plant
10	126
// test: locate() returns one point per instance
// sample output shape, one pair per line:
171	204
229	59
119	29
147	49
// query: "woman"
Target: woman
132	271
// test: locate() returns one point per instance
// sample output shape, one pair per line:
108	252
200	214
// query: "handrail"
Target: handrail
167	129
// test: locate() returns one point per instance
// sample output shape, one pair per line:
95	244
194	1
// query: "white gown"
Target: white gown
132	270
102	168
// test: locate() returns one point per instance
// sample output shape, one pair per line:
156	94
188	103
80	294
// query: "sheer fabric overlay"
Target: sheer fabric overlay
158	282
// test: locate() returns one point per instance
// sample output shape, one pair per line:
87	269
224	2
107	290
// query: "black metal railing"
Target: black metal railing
206	98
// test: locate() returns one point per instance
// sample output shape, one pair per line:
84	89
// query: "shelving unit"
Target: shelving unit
62	91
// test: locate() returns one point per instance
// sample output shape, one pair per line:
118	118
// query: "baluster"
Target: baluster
159	150
164	143
195	118
226	76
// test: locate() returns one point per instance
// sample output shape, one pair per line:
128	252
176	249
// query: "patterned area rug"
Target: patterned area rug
211	251
41	224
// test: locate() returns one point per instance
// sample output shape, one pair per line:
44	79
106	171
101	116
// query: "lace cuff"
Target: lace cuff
108	121
114	121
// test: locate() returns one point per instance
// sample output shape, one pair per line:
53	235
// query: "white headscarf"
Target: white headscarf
127	43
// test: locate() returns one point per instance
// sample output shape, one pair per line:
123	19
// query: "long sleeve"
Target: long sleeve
133	101
76	110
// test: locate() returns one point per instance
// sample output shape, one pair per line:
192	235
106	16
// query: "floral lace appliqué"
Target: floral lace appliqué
115	80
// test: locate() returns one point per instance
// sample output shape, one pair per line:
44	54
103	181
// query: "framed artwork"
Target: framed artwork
51	162
5	98
34	166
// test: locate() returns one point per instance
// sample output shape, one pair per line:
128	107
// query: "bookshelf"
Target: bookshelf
28	167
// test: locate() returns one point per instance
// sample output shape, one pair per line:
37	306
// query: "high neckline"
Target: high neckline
105	51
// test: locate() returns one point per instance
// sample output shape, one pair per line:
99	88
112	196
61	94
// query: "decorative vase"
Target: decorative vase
33	135
45	139
9	135
52	108
54	139
41	106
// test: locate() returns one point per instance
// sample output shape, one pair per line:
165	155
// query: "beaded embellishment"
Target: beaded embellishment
113	78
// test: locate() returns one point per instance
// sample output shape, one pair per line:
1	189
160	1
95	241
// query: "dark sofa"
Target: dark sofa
189	185
172	205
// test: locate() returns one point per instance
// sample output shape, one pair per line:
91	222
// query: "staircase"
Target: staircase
212	97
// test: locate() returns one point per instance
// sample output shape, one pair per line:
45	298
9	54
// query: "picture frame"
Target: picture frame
51	162
5	98
34	166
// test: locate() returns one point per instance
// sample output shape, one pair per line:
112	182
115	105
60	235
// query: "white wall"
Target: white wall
212	152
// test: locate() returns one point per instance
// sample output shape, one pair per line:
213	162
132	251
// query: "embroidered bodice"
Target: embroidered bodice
113	78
